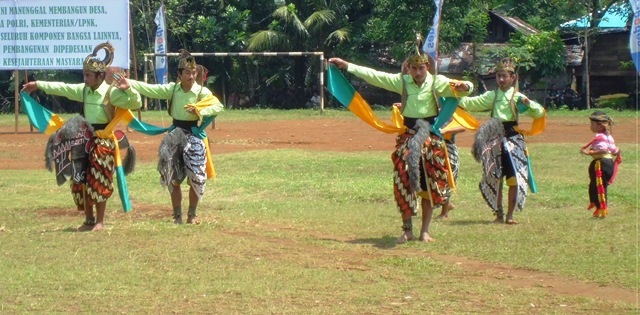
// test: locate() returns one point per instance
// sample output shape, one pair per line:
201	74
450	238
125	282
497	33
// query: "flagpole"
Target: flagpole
161	70
26	80
435	59
16	103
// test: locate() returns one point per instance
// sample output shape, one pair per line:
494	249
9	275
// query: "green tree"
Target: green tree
537	56
319	31
391	26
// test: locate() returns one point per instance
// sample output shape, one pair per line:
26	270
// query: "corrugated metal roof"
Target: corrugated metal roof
517	24
462	58
456	61
618	16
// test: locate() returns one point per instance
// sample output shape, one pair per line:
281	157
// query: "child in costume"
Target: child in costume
86	148
499	143
603	168
419	158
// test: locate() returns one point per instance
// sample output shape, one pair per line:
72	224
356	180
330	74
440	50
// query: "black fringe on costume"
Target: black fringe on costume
489	131
171	164
415	153
129	161
48	154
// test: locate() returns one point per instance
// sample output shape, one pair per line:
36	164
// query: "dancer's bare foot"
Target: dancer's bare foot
177	220
97	227
446	208
426	238
451	206
192	220
405	237
511	222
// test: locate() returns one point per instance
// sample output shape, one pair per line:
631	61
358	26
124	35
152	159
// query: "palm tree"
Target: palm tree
287	32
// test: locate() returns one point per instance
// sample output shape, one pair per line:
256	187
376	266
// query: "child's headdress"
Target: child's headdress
93	64
601	117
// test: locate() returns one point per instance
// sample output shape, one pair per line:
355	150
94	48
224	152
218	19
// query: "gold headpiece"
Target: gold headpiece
93	64
506	64
186	61
418	57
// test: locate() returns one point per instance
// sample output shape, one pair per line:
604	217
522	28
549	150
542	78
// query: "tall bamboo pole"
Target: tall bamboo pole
16	93
133	53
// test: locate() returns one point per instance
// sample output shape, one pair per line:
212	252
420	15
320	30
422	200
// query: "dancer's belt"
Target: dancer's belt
185	124
509	128
602	156
99	126
411	123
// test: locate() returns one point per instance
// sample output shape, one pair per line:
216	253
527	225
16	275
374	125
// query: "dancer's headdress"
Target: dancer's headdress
186	61
93	64
506	64
417	56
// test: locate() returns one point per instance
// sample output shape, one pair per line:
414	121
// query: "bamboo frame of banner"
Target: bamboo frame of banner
248	54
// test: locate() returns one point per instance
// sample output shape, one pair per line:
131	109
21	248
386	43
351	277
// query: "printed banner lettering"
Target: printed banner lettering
44	34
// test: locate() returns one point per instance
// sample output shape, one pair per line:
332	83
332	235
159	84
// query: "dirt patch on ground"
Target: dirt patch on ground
25	150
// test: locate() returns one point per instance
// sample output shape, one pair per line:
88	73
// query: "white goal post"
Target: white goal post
250	54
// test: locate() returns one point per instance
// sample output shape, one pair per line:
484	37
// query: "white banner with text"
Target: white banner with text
46	34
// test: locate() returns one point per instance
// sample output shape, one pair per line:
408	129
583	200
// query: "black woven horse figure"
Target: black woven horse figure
67	151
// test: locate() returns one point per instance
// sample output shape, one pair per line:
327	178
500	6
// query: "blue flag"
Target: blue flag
430	45
161	47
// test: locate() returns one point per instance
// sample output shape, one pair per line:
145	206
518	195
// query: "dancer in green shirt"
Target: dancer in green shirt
500	144
92	171
418	160
182	151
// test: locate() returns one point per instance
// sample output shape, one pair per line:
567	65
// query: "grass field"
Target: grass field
307	232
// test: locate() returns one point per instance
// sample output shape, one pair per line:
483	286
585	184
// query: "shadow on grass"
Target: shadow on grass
385	242
467	222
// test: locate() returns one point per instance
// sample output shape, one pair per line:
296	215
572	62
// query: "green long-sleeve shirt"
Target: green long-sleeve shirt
501	108
420	99
94	112
178	96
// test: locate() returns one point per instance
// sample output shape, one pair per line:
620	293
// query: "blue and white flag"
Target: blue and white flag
161	47
430	45
634	37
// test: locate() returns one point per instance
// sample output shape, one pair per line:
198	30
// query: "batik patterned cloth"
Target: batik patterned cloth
432	172
498	153
100	172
